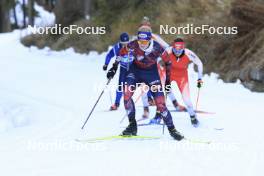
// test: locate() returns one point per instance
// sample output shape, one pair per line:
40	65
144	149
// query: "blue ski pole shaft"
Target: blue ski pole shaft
95	104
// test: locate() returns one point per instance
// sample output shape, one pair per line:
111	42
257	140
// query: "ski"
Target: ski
149	124
197	111
141	119
116	138
137	138
107	110
160	124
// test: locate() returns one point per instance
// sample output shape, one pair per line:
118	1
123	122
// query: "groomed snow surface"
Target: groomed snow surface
45	97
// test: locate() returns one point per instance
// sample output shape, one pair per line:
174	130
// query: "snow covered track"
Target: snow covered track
45	97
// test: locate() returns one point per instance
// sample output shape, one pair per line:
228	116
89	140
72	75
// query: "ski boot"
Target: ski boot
131	129
194	121
114	107
175	134
146	113
178	107
156	119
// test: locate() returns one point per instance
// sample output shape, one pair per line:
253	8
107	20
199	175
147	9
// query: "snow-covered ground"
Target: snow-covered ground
45	97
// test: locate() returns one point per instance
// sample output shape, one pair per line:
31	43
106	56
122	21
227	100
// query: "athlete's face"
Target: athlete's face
178	48
143	44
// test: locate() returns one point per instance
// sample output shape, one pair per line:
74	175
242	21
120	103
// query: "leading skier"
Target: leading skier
144	69
124	60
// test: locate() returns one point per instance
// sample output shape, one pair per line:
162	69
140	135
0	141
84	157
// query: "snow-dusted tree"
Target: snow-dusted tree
31	15
5	25
24	13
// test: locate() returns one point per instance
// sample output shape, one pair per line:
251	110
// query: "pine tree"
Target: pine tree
24	13
30	12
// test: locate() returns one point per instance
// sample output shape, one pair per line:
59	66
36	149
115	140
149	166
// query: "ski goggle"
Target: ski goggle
177	52
143	42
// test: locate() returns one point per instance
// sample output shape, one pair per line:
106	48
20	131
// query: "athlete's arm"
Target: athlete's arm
195	59
110	55
158	39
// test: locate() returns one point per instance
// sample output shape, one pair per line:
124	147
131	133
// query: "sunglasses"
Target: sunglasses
143	42
177	51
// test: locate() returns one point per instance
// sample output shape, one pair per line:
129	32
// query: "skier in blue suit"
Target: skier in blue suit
124	61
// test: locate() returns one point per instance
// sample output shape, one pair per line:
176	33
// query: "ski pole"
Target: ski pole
197	100
96	103
111	100
163	128
110	96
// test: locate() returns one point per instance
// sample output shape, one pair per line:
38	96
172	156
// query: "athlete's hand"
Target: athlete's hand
105	67
111	73
199	83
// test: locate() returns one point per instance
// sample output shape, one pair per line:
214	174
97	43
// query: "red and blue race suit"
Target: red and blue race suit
144	70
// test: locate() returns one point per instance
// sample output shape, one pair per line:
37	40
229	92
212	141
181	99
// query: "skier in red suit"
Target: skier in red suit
179	58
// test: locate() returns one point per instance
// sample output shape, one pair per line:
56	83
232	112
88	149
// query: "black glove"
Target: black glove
167	86
199	83
105	67
111	73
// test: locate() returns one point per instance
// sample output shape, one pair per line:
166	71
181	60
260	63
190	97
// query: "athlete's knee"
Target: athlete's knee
187	101
160	103
128	92
128	103
189	106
